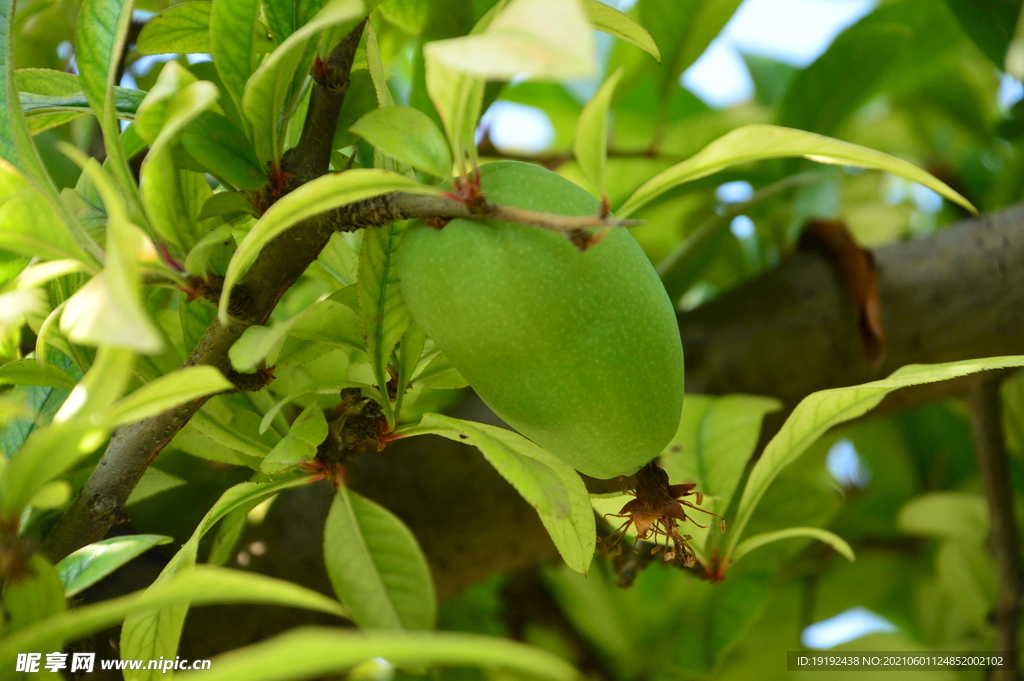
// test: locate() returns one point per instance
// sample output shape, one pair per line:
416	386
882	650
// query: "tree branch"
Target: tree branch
134	446
1004	536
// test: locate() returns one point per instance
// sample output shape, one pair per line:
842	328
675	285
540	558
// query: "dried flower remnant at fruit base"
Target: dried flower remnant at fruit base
656	511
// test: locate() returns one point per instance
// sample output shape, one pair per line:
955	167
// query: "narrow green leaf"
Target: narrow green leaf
99	42
440	374
759	540
382	311
266	90
10	112
201	585
819	411
150	633
613	22
716	438
233	25
284	16
989	23
376	567
307	431
458	99
162	192
591	145
758	142
153	482
318	196
179	29
223	150
91	563
324	388
310	652
108	309
407	135
168	392
50	98
545	481
409	352
31	372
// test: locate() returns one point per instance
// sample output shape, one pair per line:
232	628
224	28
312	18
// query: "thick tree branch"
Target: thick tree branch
1004	536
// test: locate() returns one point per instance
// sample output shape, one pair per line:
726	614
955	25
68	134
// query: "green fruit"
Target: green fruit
580	352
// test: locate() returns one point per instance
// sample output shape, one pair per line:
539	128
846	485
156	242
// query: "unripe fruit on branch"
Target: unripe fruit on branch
580	352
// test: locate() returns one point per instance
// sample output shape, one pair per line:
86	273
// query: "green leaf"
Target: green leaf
162	192
317	196
409	136
222	148
543	39
758	142
951	515
716	438
814	103
205	435
91	563
382	311
310	652
613	22
300	444
591	145
31	372
409	352
682	31
167	392
440	374
108	309
458	98
233	25
332	387
201	585
545	481
376	567
100	35
759	540
179	29
50	98
989	23
153	482
37	597
150	633
284	16
266	91
819	411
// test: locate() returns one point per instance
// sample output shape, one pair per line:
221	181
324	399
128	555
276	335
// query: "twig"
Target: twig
134	446
1004	539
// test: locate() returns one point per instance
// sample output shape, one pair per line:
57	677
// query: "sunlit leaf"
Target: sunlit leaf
819	411
758	142
233	26
167	392
591	145
317	196
546	482
759	540
91	563
408	135
179	29
613	22
299	446
30	372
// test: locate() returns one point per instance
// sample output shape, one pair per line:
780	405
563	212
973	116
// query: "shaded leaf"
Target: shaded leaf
233	25
376	567
299	446
223	150
34	599
989	23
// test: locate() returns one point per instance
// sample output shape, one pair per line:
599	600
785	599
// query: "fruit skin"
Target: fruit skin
580	352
